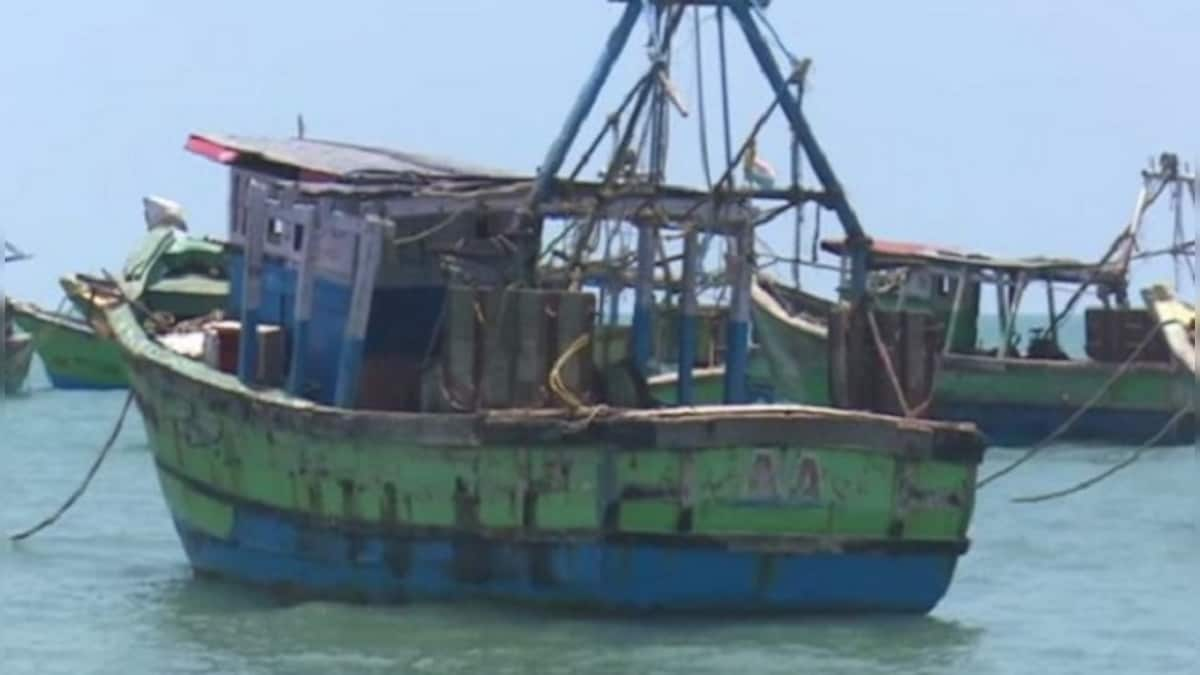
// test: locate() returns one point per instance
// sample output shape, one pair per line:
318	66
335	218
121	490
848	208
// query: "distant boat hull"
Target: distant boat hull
18	354
74	357
1013	401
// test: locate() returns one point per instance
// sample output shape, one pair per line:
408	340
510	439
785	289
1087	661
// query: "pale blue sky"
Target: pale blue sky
1014	127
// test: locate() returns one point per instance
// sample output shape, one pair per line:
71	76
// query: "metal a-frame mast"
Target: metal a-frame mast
654	88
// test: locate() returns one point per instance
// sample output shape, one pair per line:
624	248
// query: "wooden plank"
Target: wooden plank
530	377
369	248
498	341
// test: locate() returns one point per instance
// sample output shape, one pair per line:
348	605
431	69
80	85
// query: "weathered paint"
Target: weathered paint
74	357
272	490
1014	402
797	360
708	384
18	353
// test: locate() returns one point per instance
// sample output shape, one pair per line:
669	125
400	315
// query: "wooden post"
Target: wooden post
1053	330
643	307
302	309
737	350
1002	309
952	322
350	360
252	270
1018	289
688	320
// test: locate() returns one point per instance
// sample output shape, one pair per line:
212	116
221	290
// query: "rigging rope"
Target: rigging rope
555	380
1075	416
703	118
1137	454
762	16
888	366
53	518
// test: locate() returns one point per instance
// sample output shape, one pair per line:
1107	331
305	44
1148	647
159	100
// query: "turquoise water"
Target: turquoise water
1104	582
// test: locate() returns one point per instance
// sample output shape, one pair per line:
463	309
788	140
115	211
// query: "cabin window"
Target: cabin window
944	285
297	237
275	230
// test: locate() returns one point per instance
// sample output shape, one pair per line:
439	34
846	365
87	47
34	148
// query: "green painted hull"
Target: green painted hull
1014	401
73	355
709	383
722	508
18	354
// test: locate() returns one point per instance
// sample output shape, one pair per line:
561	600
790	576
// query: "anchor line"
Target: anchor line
112	438
1091	403
1137	454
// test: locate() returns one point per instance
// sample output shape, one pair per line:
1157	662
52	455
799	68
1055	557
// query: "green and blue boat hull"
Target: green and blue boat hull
1014	402
74	357
322	502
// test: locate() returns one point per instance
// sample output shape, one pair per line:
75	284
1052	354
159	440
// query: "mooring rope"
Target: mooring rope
112	439
555	381
1070	421
1137	454
888	366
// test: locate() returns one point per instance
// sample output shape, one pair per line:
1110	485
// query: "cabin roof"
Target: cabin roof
332	167
886	253
314	160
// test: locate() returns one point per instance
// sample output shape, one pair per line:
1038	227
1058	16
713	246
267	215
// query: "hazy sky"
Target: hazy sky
1015	127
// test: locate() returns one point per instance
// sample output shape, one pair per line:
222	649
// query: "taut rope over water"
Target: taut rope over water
112	439
1137	454
1120	372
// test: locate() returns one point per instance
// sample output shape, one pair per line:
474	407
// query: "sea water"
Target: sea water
1105	581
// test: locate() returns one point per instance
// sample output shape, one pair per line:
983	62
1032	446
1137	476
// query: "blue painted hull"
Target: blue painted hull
1024	425
59	381
295	558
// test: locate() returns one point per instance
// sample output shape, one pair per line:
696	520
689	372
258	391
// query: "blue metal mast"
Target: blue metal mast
834	197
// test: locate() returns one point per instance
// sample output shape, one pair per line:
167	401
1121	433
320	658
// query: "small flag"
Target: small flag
757	172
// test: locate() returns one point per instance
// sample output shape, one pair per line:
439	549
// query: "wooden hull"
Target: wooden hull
18	354
74	357
723	509
1014	402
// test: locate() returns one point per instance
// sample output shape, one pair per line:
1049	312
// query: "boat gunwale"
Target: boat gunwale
684	428
31	311
765	300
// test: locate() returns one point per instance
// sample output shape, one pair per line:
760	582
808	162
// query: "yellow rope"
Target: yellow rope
555	381
1070	421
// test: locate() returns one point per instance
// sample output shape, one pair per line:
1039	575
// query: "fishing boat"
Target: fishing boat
169	274
18	347
403	411
1178	319
1126	388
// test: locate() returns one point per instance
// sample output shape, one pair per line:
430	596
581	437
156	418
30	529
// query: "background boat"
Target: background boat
1124	391
169	274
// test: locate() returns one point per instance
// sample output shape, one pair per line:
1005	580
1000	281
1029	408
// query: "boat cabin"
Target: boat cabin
949	284
394	281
